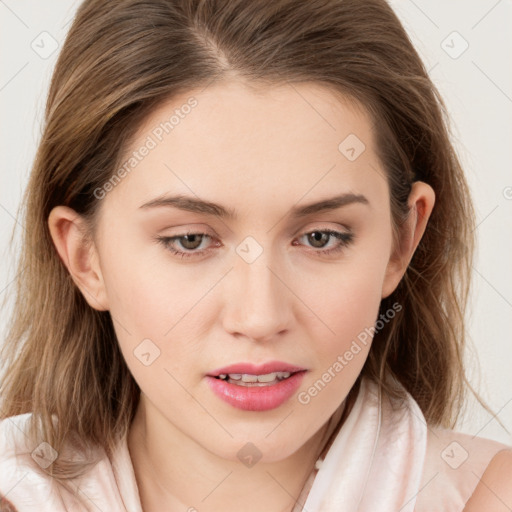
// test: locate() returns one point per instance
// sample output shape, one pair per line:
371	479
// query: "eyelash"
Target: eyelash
345	239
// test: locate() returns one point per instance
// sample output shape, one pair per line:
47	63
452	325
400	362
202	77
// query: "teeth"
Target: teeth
248	378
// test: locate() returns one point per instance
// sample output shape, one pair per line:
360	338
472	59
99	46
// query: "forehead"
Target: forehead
238	143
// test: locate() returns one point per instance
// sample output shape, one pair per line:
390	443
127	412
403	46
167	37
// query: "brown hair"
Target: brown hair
119	62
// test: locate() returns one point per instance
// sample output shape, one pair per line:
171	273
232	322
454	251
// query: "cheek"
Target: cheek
158	315
145	295
348	307
352	318
154	331
346	300
135	298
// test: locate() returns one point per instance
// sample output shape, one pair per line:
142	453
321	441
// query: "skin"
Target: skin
494	490
260	152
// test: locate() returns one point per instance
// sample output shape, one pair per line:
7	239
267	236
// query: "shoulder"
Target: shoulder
454	465
27	485
493	492
22	481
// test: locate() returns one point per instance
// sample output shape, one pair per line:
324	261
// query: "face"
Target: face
259	278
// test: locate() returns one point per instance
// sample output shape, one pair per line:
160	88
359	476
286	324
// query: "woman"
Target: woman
246	262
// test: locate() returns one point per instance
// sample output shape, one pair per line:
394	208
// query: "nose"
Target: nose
258	304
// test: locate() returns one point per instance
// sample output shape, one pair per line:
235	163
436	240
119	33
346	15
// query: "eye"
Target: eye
320	238
188	241
189	245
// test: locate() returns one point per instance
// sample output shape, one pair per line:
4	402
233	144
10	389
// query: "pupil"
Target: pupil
189	239
317	237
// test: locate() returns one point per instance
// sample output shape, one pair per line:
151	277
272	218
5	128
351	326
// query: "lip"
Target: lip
256	398
253	369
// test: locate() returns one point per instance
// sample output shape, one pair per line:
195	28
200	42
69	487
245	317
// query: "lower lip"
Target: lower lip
256	398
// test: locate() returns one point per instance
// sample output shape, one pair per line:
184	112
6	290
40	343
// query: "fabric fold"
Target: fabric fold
376	460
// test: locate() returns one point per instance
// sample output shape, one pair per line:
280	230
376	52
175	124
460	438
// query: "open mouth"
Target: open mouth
248	380
256	391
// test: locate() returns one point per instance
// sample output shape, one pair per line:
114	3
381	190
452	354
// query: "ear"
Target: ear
78	252
421	203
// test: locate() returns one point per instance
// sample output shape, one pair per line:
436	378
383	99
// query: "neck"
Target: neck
173	472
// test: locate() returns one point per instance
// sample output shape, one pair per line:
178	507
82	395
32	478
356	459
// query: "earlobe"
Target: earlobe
421	203
78	253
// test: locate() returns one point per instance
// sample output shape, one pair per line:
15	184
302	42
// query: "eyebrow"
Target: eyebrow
196	205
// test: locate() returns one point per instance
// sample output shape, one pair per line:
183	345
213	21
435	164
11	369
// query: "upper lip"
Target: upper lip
254	369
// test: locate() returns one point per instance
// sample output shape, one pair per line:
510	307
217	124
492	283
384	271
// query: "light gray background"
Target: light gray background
477	86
